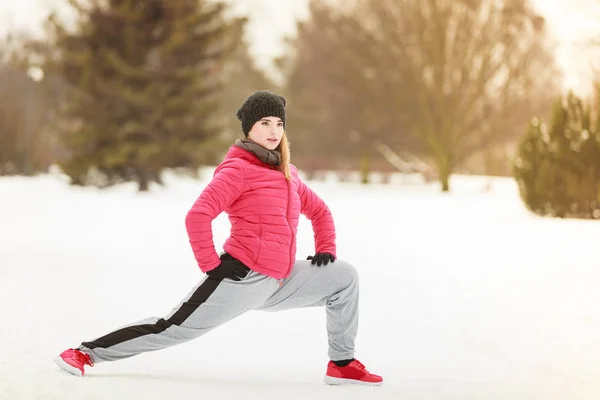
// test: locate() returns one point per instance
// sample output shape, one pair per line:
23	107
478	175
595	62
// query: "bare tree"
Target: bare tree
338	106
475	70
444	79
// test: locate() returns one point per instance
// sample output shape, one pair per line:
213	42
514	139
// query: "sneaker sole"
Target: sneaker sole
330	380
67	367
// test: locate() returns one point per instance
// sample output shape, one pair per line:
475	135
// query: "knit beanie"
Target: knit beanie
260	105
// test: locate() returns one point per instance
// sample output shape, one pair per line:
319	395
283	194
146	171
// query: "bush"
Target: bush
557	167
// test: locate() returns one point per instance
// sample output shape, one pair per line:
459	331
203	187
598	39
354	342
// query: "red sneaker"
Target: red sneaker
355	372
73	361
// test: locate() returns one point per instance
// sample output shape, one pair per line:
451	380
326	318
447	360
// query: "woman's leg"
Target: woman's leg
210	304
334	286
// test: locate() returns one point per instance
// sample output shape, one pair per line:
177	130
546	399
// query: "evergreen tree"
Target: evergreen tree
145	75
558	168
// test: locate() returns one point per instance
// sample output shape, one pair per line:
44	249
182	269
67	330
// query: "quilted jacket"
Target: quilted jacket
263	208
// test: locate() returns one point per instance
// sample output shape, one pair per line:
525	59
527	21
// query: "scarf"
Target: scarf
271	157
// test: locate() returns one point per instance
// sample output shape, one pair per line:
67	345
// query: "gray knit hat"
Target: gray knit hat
260	105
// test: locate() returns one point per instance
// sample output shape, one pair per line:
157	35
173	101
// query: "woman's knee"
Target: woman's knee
347	271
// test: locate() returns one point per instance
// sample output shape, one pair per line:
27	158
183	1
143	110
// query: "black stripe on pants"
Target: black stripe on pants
131	332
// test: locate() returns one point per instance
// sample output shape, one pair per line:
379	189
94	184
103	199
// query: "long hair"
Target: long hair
284	163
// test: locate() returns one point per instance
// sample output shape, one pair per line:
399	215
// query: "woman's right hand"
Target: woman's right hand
230	267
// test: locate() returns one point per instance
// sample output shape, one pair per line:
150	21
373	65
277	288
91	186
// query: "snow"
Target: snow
463	296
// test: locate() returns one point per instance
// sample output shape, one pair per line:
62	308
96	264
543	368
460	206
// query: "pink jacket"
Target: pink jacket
264	209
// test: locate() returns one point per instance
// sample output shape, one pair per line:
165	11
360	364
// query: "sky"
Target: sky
573	23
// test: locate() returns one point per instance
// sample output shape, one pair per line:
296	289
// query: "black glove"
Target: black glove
230	267
321	258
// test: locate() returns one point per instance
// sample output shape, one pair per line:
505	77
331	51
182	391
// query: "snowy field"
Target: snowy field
463	296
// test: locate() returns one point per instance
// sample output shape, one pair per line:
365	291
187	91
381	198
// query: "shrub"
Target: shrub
557	166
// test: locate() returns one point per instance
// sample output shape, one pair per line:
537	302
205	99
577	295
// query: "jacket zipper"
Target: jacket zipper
287	217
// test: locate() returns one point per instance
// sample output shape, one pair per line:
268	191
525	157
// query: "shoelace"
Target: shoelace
84	358
358	365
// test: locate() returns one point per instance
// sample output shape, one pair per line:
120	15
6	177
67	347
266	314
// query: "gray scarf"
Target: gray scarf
271	157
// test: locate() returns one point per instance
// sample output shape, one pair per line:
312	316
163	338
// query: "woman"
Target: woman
260	191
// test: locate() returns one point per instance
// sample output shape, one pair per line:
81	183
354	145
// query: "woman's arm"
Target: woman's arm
315	209
227	184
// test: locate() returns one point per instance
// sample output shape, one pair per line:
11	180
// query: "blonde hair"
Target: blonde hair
284	163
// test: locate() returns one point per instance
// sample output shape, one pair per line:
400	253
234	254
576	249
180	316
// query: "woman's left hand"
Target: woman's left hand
321	258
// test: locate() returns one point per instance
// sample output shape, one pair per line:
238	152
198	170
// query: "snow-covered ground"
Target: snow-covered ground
463	296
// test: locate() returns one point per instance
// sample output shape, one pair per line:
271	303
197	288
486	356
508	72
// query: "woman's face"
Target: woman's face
267	132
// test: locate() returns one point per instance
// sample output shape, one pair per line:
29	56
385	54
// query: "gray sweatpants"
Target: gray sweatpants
212	303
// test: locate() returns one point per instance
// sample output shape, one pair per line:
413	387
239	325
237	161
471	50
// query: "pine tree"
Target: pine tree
145	75
558	168
529	163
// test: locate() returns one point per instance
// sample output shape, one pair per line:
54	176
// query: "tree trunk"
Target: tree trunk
365	168
444	171
143	181
444	178
156	177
